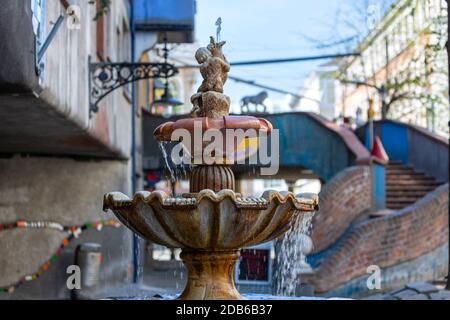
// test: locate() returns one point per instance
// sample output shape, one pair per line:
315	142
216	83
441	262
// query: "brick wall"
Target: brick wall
387	241
343	199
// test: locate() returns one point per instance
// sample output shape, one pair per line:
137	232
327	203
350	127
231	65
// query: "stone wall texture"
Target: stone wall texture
343	199
386	241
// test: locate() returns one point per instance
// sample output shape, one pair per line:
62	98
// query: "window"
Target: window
426	9
410	26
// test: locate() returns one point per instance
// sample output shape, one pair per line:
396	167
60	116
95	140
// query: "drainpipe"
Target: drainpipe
135	246
370	132
448	56
383	106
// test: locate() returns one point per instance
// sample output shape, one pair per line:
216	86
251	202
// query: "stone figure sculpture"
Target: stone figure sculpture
212	221
214	70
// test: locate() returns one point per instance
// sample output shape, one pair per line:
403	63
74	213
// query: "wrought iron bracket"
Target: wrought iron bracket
105	77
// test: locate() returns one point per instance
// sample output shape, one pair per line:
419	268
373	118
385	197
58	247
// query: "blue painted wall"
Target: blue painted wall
174	11
378	187
305	143
395	141
415	146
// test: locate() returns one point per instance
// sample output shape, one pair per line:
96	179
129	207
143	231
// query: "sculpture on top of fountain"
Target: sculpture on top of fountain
209	101
214	67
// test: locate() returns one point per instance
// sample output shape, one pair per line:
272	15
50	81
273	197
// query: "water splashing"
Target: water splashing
162	147
290	254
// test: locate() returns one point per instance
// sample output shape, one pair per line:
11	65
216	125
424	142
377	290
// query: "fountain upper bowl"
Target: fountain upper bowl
209	220
244	144
164	131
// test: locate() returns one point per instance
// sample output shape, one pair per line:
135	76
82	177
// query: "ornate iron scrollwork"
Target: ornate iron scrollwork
105	77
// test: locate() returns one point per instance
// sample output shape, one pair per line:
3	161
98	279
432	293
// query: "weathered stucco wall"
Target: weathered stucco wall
69	192
65	82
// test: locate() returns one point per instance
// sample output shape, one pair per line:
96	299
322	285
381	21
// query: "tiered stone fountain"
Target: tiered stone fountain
212	222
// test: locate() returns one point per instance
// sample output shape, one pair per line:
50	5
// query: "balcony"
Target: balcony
44	108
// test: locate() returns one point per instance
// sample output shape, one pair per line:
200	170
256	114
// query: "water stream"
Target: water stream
162	147
289	255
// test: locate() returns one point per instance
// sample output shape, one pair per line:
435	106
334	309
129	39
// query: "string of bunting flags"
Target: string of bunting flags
73	233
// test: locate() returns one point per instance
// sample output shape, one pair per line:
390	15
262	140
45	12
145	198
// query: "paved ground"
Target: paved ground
160	284
415	291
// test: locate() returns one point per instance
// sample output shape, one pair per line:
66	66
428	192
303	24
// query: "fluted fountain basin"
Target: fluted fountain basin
210	228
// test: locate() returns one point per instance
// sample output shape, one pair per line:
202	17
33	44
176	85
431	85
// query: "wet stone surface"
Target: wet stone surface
414	291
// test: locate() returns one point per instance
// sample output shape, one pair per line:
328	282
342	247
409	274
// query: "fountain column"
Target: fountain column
210	275
213	177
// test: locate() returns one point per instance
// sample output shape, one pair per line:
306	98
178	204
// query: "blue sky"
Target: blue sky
263	29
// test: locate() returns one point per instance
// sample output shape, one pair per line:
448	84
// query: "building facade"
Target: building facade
402	66
320	93
58	157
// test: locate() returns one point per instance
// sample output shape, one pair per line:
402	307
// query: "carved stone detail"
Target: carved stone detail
209	101
214	177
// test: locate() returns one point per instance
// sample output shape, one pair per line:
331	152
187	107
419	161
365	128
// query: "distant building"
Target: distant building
320	92
405	53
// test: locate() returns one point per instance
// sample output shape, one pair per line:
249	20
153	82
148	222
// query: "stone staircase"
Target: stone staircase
404	185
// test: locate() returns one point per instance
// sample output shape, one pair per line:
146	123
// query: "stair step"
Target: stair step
401	199
407	193
409	177
405	186
410	189
397	172
422	188
395	162
416	182
399	168
399	205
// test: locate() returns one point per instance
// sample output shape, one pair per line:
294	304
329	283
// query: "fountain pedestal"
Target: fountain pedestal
210	275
